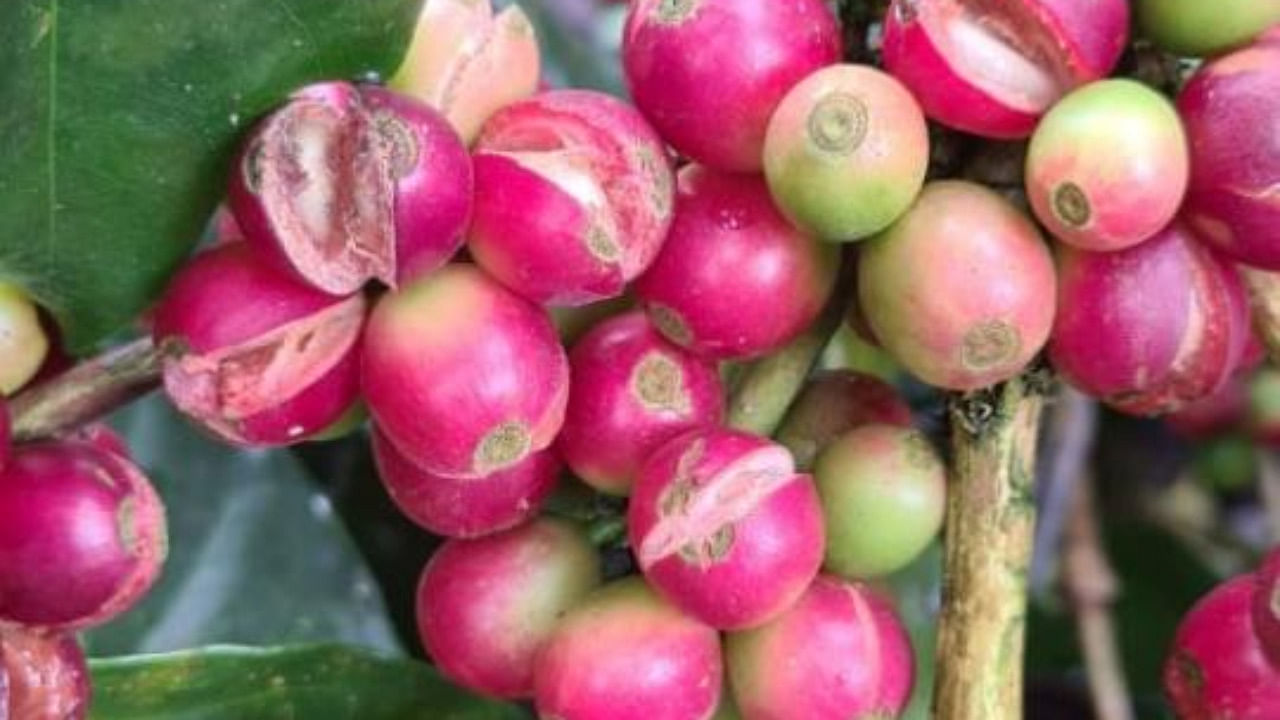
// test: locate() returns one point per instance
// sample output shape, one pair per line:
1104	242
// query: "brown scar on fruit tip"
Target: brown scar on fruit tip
504	446
240	381
672	12
658	384
600	243
838	123
671	324
989	344
125	526
399	143
696	509
1071	205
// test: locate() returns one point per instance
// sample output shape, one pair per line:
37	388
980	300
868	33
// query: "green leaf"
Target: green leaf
323	682
394	548
256	554
117	118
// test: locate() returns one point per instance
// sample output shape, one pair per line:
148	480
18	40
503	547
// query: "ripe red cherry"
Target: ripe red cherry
709	73
82	535
723	526
992	68
257	357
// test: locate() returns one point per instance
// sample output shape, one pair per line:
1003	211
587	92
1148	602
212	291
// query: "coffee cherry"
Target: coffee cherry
464	377
834	402
1107	166
23	343
709	73
734	278
630	391
573	197
1229	107
1216	667
467	63
254	356
840	653
1152	328
313	192
82	535
1188	27
883	491
992	68
432	177
960	289
469	507
846	152
1265	606
624	653
486	607
721	524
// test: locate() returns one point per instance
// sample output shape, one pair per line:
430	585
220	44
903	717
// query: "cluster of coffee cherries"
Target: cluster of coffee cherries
425	251
699	228
338	281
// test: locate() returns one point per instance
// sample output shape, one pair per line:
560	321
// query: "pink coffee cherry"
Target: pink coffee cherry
82	535
573	197
993	68
257	357
723	526
630	391
470	507
464	377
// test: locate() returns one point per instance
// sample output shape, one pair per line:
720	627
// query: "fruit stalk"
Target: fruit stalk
1070	429
1269	488
763	393
989	528
1091	586
1264	298
87	391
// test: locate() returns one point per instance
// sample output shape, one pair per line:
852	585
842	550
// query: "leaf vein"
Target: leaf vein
297	20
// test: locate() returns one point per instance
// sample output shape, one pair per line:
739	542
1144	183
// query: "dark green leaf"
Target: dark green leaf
256	554
324	682
394	548
117	118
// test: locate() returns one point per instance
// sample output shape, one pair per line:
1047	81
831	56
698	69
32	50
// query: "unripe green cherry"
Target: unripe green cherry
23	344
883	490
1200	27
1107	167
846	152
